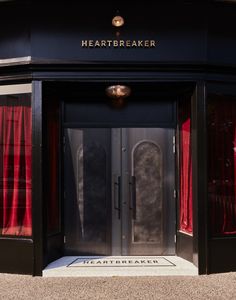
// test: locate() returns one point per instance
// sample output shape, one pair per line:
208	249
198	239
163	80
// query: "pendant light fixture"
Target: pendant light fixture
118	93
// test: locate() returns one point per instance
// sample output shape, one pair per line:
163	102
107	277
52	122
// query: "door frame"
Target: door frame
183	88
154	123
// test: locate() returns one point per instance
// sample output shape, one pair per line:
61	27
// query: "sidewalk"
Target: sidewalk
219	286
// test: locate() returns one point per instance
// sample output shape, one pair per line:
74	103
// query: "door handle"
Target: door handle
132	202
117	196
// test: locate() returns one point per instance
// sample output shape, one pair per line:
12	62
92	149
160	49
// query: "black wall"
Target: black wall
179	32
186	32
14	30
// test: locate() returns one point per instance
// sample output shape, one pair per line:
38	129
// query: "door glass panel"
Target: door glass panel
87	182
91	191
147	169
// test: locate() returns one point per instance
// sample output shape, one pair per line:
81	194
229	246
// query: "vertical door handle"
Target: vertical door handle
132	201
117	196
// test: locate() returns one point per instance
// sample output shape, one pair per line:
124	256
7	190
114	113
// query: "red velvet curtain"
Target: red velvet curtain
185	209
15	165
222	165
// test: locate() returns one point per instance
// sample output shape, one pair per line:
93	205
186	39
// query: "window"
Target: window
15	160
222	164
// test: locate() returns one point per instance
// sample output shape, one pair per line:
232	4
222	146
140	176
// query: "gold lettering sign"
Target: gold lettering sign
118	44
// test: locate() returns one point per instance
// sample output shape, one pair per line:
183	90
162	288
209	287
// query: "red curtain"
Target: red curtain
27	215
185	214
222	165
1	168
15	165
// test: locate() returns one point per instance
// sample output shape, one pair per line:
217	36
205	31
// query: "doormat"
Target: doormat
95	261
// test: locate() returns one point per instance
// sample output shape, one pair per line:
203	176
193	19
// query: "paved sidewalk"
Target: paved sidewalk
220	286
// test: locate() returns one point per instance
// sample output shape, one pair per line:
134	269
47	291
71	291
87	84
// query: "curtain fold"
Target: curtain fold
12	152
15	167
27	220
1	168
185	217
7	170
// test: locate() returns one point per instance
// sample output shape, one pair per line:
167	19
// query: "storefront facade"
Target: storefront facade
83	173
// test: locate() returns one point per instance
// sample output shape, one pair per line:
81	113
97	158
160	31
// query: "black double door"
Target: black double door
119	191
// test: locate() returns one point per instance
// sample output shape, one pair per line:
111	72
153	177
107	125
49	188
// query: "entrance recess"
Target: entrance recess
119	191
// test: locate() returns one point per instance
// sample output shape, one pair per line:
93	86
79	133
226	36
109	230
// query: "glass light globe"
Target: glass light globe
118	21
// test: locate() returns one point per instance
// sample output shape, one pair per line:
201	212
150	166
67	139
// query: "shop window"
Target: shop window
15	162
185	169
222	164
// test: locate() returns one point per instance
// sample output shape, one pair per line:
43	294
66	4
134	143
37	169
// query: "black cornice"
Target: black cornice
72	70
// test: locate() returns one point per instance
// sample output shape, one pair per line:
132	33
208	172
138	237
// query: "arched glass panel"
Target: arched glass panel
147	169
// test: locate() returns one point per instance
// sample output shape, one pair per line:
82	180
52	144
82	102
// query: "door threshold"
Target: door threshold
108	266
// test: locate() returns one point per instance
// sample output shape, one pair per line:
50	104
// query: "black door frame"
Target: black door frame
198	111
169	121
199	173
110	125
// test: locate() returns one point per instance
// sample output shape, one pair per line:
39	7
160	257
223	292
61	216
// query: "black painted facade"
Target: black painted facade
40	42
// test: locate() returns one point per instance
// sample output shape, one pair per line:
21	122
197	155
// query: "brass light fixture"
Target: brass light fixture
118	93
118	21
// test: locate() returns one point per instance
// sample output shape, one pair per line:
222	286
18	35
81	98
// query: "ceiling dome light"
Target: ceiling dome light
118	91
118	21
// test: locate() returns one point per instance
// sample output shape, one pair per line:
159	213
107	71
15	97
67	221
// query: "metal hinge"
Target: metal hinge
175	238
64	239
174	142
175	194
64	143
